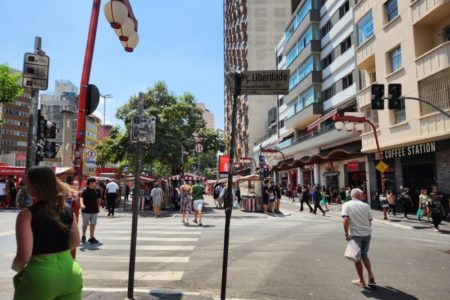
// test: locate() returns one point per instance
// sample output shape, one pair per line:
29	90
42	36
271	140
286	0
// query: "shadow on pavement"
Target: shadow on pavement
422	227
86	246
387	293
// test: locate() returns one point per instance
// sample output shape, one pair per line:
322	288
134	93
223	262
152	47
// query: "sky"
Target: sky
181	43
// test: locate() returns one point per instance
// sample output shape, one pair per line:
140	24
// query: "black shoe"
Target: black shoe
83	239
200	224
195	221
93	240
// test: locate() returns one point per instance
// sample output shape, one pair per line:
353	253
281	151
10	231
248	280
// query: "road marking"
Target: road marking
6	233
154	239
144	291
123	275
143	248
150	232
139	259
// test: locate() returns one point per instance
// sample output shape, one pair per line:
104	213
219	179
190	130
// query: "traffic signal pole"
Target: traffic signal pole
33	121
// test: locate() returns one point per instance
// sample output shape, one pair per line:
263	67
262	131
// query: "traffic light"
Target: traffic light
395	96
46	129
50	149
377	92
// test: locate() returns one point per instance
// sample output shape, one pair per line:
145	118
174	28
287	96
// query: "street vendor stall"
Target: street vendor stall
174	182
251	194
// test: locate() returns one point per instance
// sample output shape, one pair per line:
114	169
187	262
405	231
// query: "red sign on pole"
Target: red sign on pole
224	164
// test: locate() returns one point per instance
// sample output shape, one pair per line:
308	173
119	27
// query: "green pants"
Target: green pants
49	277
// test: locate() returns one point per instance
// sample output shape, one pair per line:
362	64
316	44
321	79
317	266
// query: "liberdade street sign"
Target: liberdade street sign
273	82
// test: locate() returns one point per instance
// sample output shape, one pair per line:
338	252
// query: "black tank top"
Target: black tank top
48	236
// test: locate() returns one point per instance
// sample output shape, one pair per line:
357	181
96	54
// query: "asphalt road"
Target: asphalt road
296	255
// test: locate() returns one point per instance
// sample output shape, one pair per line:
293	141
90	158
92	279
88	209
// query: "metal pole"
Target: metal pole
380	157
430	104
32	128
136	195
81	118
229	199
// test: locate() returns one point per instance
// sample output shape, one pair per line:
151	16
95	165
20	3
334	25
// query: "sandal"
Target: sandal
358	283
371	281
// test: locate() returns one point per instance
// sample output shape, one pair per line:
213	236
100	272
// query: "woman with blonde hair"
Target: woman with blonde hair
45	234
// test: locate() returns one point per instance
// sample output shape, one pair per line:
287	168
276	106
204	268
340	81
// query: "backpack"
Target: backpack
216	192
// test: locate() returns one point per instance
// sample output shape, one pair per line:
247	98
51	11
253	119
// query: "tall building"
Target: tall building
318	49
208	116
252	29
15	118
406	42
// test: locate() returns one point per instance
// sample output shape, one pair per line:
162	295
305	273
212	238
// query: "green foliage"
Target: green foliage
9	85
177	120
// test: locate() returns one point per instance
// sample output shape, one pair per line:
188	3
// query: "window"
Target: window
399	116
365	28
328	93
302	101
281	123
346	44
299	46
446	34
395	58
391	9
304	70
325	29
307	6
281	101
327	60
347	81
343	9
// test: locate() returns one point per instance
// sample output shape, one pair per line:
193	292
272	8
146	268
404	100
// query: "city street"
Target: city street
296	255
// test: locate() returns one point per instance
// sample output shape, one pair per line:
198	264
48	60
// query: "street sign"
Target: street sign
274	82
35	71
198	148
91	154
382	167
143	130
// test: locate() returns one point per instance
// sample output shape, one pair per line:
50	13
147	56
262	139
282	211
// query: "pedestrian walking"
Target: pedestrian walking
305	195
317	197
198	191
406	201
21	195
45	233
111	196
217	192
272	197
277	190
157	195
265	195
436	207
12	190
90	207
185	202
357	226
391	202
424	204
127	191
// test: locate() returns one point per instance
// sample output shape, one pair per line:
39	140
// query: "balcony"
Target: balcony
306	116
312	17
306	83
364	96
433	61
365	54
312	47
426	11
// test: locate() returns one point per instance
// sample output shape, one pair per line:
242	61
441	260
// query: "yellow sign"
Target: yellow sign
382	167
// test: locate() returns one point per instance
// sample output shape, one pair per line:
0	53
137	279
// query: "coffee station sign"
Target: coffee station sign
408	151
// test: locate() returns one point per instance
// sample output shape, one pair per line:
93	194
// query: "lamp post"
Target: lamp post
353	122
262	150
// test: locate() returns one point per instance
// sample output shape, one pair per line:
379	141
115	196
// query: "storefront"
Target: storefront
417	167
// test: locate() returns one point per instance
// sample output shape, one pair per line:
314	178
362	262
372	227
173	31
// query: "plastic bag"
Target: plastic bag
419	213
352	251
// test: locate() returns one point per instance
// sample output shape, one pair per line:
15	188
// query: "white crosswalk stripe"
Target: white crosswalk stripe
162	252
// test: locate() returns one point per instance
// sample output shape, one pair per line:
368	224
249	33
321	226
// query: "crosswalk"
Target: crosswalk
163	250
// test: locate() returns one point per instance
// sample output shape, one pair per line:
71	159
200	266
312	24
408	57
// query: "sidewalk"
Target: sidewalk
378	217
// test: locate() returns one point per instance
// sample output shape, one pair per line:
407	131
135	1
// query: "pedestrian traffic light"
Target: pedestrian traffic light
377	99
45	129
50	149
395	96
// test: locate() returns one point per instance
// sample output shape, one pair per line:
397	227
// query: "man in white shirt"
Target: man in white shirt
357	218
157	195
111	196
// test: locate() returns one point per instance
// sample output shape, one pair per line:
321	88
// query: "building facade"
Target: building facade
252	28
208	116
318	49
15	118
406	42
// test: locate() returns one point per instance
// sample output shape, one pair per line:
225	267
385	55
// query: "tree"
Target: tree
177	119
9	85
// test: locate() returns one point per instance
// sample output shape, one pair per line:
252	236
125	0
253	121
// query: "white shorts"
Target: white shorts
198	204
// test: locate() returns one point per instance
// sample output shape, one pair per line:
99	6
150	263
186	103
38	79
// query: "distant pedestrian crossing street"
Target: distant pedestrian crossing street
163	250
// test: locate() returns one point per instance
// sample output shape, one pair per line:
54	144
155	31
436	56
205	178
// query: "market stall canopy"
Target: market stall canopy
235	179
249	177
142	178
187	176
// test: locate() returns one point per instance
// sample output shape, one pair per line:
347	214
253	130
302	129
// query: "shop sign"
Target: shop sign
408	151
224	164
353	166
